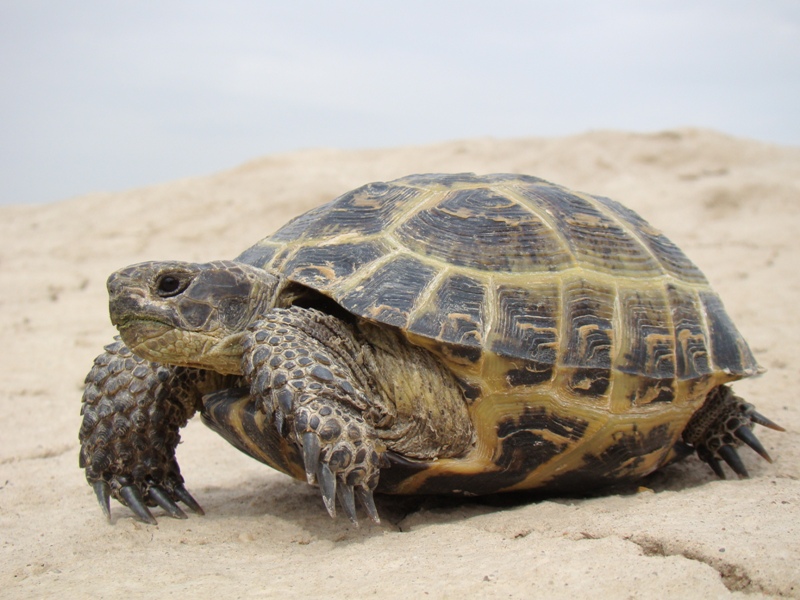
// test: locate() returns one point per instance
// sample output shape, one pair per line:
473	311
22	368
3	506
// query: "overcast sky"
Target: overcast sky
104	96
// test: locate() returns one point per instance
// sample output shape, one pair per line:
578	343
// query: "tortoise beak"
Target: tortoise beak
122	302
129	297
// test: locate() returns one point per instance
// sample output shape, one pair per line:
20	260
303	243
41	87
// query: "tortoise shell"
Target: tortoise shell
583	338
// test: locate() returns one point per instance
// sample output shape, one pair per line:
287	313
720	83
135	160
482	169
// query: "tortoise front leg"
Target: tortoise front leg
132	412
303	368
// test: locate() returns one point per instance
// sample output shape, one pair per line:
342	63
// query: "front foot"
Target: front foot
139	495
722	425
340	454
296	361
132	411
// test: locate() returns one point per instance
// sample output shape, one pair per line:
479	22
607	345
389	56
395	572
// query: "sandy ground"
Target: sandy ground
733	205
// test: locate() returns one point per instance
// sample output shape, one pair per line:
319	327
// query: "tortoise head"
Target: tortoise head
189	314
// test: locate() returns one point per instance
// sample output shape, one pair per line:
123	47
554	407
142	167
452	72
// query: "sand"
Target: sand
733	205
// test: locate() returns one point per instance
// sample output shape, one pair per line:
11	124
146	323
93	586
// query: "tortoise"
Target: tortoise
436	334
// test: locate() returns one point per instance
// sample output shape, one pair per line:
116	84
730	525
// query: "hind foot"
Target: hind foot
722	425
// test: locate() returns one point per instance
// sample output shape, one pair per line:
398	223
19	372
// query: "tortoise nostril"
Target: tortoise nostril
113	284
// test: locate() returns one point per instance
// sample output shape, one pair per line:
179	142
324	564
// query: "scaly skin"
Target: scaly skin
132	412
310	390
723	424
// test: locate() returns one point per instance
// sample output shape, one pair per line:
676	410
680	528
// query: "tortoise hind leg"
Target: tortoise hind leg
722	425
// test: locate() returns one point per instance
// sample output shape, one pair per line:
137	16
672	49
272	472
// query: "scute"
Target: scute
691	349
594	238
484	229
455	313
589	314
364	211
319	265
527	326
618	462
728	349
389	295
651	343
670	257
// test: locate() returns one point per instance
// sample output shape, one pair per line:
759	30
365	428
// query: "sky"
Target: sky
107	96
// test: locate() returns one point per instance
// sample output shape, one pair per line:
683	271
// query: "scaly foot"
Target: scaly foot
314	399
132	410
722	425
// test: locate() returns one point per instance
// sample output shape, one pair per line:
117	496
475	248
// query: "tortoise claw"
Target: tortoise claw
184	496
749	438
348	501
103	493
760	419
341	454
280	419
311	451
366	498
282	409
161	498
133	499
730	456
712	462
327	482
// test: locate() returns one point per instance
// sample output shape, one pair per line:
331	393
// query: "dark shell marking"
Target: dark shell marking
617	462
525	443
669	256
389	295
456	312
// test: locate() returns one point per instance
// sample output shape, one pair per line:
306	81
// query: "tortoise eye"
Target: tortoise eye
170	285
